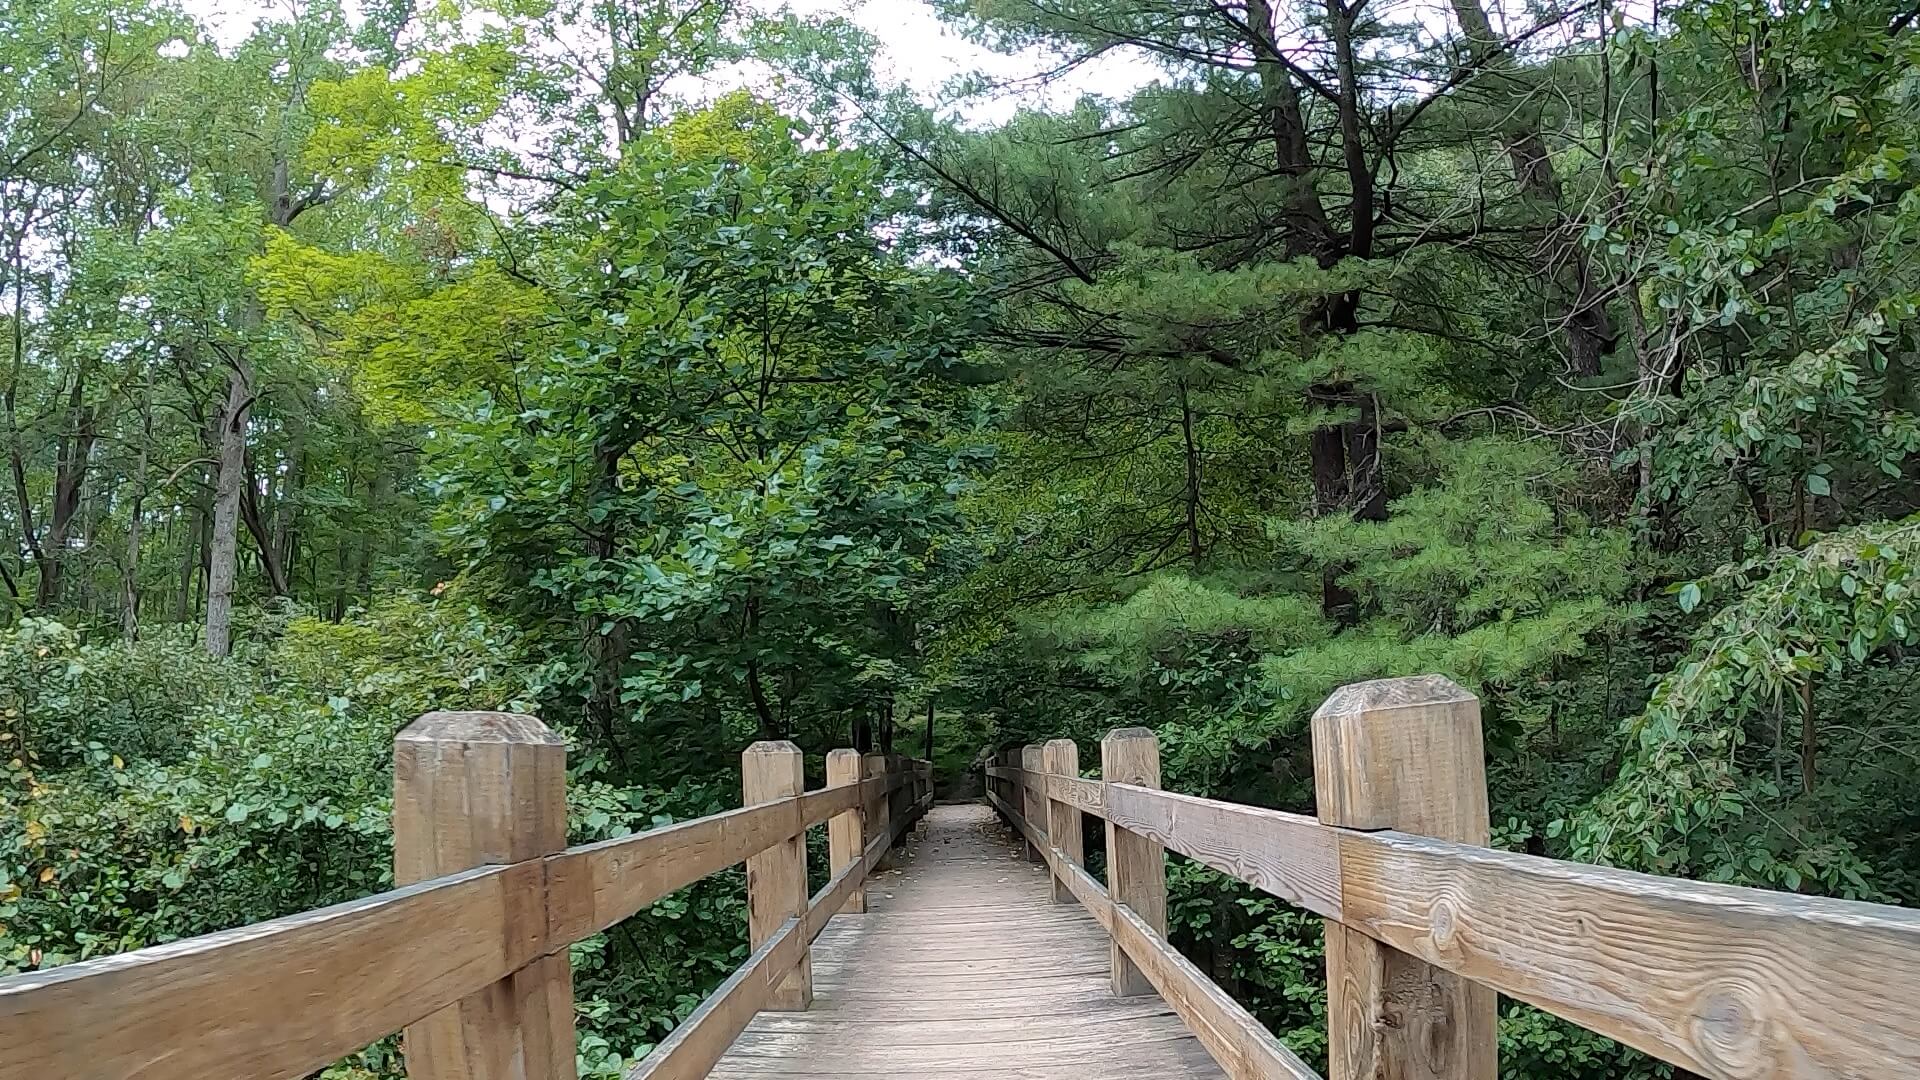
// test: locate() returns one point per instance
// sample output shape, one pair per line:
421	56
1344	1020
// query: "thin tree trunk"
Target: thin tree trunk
1303	218
16	451
257	527
1809	739
224	550
130	568
189	559
1192	494
1584	323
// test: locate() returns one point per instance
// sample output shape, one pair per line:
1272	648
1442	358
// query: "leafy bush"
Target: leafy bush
220	793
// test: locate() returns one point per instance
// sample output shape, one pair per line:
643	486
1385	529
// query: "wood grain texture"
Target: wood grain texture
1065	835
1136	864
1084	795
1244	1049
597	885
697	1044
879	811
1033	797
1724	981
471	789
962	969
1091	895
777	876
1293	857
1404	753
846	831
290	996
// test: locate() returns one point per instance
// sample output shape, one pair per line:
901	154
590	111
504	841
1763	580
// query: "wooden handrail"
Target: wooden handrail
700	1040
1721	980
1236	1040
287	997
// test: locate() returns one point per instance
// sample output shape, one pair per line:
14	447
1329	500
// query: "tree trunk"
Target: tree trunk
1584	323
607	652
69	477
1348	477
257	527
228	490
1809	739
1303	218
16	451
1191	496
130	566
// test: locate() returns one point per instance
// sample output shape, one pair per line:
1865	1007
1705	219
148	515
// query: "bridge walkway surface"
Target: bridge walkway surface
963	966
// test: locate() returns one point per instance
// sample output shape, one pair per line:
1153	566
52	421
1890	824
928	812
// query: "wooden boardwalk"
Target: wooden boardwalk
963	966
977	963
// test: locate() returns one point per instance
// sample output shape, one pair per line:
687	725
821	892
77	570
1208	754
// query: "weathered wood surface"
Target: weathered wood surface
693	1048
846	831
1136	863
1725	981
1293	857
1064	831
777	877
278	999
1245	1049
962	968
1084	795
593	886
1403	754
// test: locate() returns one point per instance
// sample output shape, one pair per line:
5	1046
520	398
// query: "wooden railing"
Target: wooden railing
1424	923
469	955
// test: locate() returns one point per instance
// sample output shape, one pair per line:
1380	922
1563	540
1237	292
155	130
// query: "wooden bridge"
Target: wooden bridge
988	950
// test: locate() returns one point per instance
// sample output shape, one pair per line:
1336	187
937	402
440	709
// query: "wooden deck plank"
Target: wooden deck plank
963	967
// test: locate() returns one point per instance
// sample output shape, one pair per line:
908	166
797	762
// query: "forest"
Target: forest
678	372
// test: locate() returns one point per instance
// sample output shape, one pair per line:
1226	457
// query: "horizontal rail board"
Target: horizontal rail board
1243	1046
1293	857
1725	981
1722	980
1086	796
289	996
597	885
693	1048
276	999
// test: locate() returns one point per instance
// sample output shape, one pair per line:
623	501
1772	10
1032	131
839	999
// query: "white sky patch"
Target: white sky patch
917	50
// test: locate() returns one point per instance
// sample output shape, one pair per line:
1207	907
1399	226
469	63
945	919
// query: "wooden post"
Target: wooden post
777	877
1063	818
472	789
846	832
1402	754
879	821
1136	866
1033	795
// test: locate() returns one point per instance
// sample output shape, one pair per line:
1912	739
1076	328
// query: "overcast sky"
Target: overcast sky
917	49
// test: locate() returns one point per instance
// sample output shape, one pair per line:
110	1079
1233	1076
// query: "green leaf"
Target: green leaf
1689	596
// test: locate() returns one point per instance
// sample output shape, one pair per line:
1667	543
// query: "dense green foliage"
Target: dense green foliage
694	386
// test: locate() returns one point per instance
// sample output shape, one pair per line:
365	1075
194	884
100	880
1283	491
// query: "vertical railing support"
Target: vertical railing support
777	877
846	831
879	818
1033	794
1064	830
1402	754
472	789
1136	866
